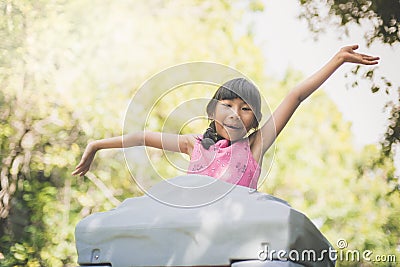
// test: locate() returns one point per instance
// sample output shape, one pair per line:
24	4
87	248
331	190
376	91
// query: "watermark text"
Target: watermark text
310	255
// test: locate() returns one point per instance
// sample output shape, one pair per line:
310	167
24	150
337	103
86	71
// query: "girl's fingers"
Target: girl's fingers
77	171
80	172
364	55
355	57
368	62
79	165
369	57
364	59
373	58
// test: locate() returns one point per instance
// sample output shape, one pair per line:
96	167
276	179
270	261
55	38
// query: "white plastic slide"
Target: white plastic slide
196	220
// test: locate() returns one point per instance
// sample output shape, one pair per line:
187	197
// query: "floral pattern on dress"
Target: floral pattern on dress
231	163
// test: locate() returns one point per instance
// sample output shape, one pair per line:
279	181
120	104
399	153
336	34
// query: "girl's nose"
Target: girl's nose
233	114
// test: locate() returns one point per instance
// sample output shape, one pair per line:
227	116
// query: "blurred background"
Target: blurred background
68	70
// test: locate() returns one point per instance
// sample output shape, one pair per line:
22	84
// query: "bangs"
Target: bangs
240	88
226	94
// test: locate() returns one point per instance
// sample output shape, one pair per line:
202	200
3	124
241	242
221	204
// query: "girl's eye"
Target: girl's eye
246	108
226	105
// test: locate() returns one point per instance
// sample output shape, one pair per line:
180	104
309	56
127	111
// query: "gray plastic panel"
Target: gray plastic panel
145	232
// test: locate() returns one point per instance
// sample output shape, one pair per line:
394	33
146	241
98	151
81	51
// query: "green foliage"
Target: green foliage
69	69
382	20
344	190
384	15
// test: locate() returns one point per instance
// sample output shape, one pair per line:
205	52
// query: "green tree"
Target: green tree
68	71
382	21
384	17
318	171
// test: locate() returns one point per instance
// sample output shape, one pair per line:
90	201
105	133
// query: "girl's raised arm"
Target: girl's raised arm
170	142
274	125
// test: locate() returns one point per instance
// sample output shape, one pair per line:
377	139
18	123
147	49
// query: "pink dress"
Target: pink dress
231	163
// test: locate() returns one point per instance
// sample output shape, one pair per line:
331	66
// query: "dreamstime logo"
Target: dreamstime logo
307	255
310	255
176	98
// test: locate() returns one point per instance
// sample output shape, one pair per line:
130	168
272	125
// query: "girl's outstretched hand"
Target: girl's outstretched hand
87	159
347	54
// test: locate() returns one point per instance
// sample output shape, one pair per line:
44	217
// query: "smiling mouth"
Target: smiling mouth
234	127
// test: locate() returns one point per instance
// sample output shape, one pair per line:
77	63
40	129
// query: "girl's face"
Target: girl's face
233	118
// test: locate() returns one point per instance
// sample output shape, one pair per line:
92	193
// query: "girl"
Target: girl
233	146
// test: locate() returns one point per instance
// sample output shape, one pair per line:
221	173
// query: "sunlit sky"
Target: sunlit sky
287	42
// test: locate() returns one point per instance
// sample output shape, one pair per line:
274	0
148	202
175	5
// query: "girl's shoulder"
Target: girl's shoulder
195	138
191	140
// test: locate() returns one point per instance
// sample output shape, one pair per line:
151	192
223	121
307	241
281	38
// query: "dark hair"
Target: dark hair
236	88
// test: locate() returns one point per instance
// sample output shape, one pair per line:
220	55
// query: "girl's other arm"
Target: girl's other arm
170	142
274	125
